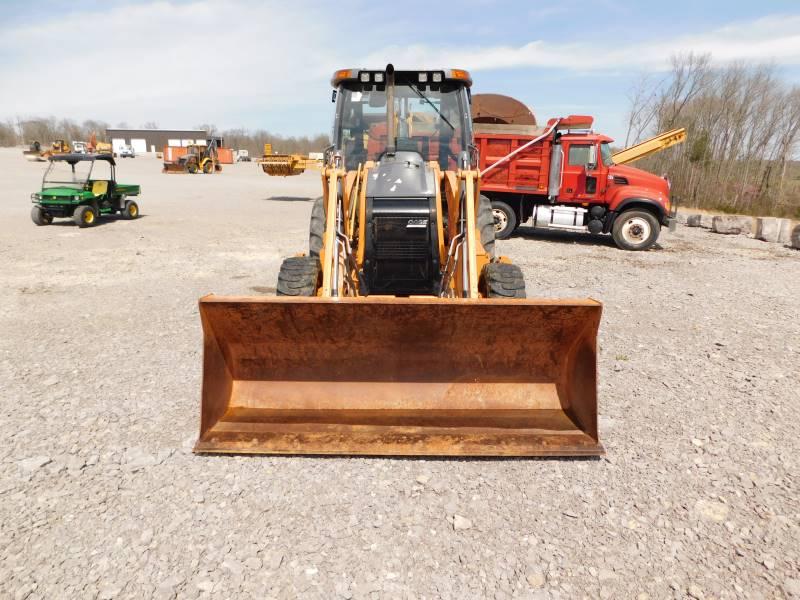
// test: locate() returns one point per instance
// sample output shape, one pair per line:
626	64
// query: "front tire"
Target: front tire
485	223
84	216
505	220
635	230
40	217
316	229
131	210
502	280
299	276
208	167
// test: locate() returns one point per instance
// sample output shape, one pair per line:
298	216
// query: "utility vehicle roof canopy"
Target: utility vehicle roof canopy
77	157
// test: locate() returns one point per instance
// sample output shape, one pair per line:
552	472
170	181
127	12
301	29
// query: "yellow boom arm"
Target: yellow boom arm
655	144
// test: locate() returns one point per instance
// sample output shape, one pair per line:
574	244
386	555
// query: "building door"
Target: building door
117	144
139	145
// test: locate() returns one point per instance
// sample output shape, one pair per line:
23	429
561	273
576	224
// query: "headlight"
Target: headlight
364	77
423	77
76	197
378	77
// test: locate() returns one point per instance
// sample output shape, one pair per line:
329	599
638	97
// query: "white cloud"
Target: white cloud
164	61
769	39
268	63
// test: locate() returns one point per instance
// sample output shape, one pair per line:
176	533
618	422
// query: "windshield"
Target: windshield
605	153
431	122
62	174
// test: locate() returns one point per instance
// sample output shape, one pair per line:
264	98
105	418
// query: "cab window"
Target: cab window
605	152
579	154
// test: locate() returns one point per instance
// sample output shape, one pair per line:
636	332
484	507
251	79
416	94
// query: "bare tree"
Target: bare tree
743	128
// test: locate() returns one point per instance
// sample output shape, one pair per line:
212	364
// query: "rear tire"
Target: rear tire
298	276
40	217
485	223
131	210
635	230
505	220
316	229
192	168
502	280
84	216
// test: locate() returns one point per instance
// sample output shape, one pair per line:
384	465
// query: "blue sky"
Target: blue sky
266	64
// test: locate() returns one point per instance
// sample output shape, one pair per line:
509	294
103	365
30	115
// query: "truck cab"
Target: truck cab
590	175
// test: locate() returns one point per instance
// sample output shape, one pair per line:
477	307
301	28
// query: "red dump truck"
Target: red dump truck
562	176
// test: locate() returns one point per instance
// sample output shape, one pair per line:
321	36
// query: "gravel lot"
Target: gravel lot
100	495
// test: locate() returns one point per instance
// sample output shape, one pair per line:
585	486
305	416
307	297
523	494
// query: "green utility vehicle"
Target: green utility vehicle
82	187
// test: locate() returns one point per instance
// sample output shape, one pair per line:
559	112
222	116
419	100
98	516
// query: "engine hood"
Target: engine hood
401	174
640	178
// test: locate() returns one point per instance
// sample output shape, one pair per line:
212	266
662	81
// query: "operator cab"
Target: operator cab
384	112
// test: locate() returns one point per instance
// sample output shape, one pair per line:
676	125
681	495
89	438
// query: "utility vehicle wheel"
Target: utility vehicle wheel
505	220
316	229
40	217
208	167
131	210
501	280
485	223
298	276
635	230
84	216
192	168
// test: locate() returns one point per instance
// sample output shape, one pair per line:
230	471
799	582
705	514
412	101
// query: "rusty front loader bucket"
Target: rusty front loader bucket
399	376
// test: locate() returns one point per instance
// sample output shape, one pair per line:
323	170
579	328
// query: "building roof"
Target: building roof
203	131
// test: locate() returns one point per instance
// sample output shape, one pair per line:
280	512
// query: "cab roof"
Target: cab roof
429	75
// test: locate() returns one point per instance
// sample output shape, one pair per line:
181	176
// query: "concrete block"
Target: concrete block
693	220
732	225
785	235
769	229
795	241
706	221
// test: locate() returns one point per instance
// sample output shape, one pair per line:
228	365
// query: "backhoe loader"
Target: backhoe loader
400	331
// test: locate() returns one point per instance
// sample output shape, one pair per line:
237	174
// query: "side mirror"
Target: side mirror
591	164
333	96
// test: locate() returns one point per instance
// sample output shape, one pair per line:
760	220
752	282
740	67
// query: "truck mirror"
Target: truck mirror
591	164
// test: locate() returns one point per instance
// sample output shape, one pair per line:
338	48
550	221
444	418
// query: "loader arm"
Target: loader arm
650	146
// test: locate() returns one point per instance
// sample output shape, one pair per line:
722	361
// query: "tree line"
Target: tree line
46	130
743	132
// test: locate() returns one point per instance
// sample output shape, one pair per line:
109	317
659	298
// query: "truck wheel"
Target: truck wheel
40	217
131	210
84	216
502	280
505	220
316	229
485	223
635	230
298	276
